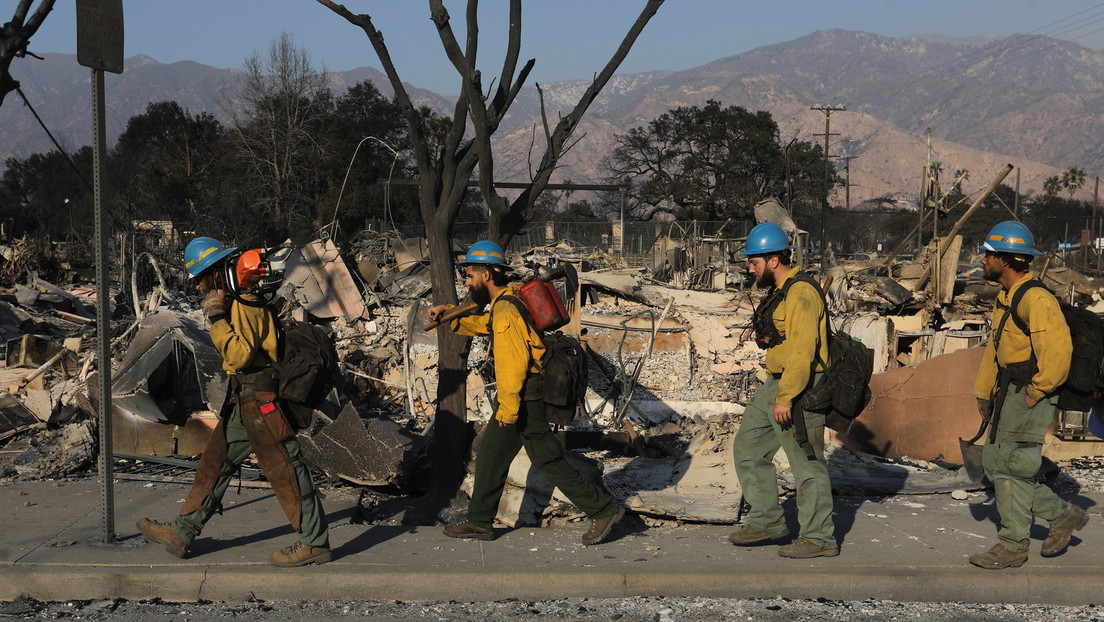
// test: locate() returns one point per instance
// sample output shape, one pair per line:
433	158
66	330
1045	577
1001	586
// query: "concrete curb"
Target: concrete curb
1058	586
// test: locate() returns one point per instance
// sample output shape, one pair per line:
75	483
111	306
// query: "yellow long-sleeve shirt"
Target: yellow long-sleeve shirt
246	337
1049	339
518	350
802	322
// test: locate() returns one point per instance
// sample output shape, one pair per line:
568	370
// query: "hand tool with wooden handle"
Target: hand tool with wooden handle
452	314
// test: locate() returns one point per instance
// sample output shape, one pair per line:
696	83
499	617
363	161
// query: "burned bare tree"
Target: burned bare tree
276	112
14	38
446	164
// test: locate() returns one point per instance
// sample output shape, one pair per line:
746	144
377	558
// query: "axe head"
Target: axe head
565	271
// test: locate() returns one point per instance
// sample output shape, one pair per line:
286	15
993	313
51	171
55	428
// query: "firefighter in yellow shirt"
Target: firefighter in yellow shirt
244	331
519	419
1016	388
792	325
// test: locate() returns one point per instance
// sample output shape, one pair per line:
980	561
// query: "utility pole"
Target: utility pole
827	110
1016	209
928	188
1092	221
847	180
789	189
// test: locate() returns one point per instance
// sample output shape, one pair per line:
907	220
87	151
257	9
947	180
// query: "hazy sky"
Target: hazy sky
569	38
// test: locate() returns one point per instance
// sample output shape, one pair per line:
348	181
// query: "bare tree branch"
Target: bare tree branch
413	117
470	81
509	223
14	38
513	50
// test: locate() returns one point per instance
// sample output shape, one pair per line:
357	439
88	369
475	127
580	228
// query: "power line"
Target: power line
65	155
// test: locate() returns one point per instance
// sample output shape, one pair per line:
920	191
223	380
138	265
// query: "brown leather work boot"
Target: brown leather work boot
163	533
299	554
1060	530
801	548
746	534
467	529
998	558
601	527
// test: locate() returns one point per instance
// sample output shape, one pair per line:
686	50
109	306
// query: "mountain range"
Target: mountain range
1028	100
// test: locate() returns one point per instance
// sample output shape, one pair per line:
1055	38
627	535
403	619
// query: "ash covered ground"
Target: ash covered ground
643	609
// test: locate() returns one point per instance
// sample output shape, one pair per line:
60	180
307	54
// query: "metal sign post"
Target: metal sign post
100	46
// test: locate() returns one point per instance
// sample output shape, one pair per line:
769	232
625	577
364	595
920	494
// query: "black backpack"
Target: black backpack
307	369
844	390
1087	363
564	371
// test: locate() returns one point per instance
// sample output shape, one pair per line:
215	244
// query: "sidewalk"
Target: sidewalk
905	548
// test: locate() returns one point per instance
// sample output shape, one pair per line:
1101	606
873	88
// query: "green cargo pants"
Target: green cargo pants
313	528
499	446
1012	460
757	440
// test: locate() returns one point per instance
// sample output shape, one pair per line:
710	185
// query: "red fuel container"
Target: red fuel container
544	304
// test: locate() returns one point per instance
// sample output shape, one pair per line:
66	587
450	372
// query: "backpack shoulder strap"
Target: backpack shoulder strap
800	276
281	335
1015	302
520	306
1010	312
805	278
522	310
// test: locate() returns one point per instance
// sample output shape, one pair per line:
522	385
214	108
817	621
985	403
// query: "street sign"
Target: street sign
100	47
100	34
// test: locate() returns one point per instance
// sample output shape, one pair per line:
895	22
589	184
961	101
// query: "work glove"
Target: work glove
214	304
985	407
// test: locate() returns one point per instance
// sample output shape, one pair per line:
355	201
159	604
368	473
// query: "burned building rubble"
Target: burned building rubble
671	365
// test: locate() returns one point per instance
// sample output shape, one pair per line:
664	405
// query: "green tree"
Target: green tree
166	162
1052	185
1054	219
1073	179
41	195
365	143
960	176
712	163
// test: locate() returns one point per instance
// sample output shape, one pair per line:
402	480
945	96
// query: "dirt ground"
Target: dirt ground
650	609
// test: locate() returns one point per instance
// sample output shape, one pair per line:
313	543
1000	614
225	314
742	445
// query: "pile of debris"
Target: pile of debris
670	369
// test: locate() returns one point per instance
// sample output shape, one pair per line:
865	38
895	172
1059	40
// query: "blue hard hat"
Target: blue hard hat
202	253
1011	236
766	237
485	252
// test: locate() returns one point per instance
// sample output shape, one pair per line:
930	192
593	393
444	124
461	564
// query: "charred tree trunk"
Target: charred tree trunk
445	164
448	446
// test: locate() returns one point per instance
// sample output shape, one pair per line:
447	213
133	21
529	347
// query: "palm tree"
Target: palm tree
1052	185
1073	179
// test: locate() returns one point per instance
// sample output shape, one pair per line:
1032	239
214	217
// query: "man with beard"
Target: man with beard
516	350
792	325
1023	366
